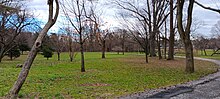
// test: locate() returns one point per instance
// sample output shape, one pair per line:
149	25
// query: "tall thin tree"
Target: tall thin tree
172	34
13	93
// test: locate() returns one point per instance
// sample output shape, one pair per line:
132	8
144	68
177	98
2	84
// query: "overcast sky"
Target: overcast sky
209	18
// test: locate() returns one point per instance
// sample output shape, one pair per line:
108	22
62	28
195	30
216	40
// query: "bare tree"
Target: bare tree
154	13
201	43
102	36
12	23
185	32
94	16
75	13
137	29
13	93
216	29
123	36
57	43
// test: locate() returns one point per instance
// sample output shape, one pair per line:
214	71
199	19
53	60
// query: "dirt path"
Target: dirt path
207	87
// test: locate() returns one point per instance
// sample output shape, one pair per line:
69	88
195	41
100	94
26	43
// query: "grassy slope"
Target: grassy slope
117	75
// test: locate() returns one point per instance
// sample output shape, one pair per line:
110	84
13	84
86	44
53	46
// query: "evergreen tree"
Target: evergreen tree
24	47
47	52
14	53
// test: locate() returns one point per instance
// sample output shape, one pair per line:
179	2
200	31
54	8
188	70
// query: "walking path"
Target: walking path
207	87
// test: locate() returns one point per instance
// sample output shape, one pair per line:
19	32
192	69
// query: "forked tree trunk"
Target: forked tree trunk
185	32
32	54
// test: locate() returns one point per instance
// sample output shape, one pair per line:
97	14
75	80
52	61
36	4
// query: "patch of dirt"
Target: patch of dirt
96	84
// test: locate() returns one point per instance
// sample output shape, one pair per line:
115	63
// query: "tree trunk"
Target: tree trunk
27	64
123	49
172	35
158	45
123	45
1	59
71	54
165	41
1	56
82	58
153	34
11	57
152	45
103	49
13	93
58	56
146	53
70	49
189	57
205	52
185	32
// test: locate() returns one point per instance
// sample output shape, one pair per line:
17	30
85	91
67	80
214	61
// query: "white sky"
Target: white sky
210	18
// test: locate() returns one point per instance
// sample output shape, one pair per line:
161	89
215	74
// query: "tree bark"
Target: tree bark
146	53
172	35
70	48
71	54
205	52
58	56
82	58
1	56
185	32
189	57
165	41
123	48
13	93
153	34
103	49
11	56
158	45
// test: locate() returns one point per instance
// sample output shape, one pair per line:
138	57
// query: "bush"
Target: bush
14	53
47	52
24	47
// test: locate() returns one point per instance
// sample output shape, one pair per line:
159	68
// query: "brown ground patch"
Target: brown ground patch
95	84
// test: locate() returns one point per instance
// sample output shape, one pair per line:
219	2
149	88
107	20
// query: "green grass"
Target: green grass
104	78
198	53
209	53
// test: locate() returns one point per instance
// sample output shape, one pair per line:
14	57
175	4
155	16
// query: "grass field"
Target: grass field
104	78
198	53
